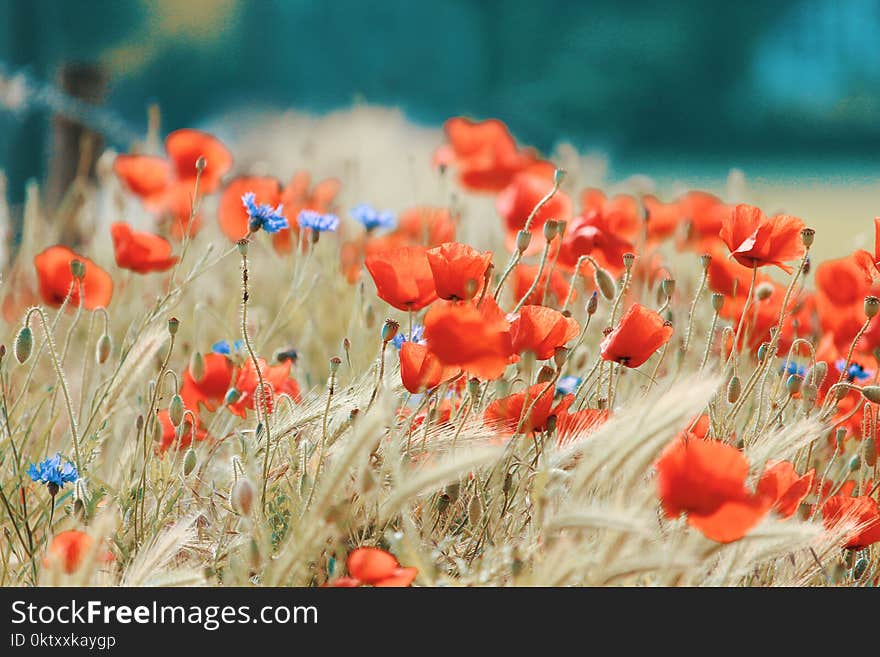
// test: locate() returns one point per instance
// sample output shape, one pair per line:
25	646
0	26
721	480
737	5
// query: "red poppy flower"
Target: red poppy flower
425	226
590	235
211	389
704	214
541	330
524	276
757	241
863	512
375	567
706	480
140	251
662	218
574	426
867	262
506	414
420	370
728	277
781	483
516	202
403	277
459	270
619	215
55	278
474	339
166	185
232	214
276	377
169	432
640	333
486	154
69	549
841	288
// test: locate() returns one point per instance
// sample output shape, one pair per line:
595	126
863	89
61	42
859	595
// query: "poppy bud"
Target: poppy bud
558	176
201	163
561	225
859	568
389	330
523	239
551	228
24	343
157	430
762	351
173	325
560	355
593	303
189	461
705	260
78	269
871	393
734	388
717	301
242	245
197	366
870	447
764	291
175	410
809	393
872	305
473	387
855	463
839	437
139	422
545	374
628	260
475	510
817	374
232	396
242	496
605	283
668	286
551	423
793	384
103	349
807	236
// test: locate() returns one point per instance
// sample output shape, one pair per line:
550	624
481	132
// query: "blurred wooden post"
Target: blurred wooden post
87	82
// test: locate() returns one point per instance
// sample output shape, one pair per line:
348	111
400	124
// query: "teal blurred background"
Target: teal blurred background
684	88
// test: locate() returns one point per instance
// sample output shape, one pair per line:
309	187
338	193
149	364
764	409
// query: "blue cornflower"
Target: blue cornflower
418	334
52	473
567	385
263	216
790	367
318	222
855	371
222	347
372	218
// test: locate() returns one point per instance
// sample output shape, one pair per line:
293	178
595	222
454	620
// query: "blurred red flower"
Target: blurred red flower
403	277
140	252
55	278
420	370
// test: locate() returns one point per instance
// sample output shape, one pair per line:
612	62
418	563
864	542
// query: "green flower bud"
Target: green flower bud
605	283
872	305
197	366
871	393
242	496
78	269
717	301
24	343
103	349
175	410
734	388
389	330
189	461
523	239
793	384
807	236
173	325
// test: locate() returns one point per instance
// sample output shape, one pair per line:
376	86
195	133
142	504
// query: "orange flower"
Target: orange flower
403	277
459	270
863	512
375	567
69	549
619	215
420	370
756	240
275	377
166	185
212	387
704	214
140	251
486	154
541	330
706	480
841	288
781	483
516	202
55	279
424	225
662	218
474	339
169	432
731	279
524	276
590	235
506	414
640	333
867	262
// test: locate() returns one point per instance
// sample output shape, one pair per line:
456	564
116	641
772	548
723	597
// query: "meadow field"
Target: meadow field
349	351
